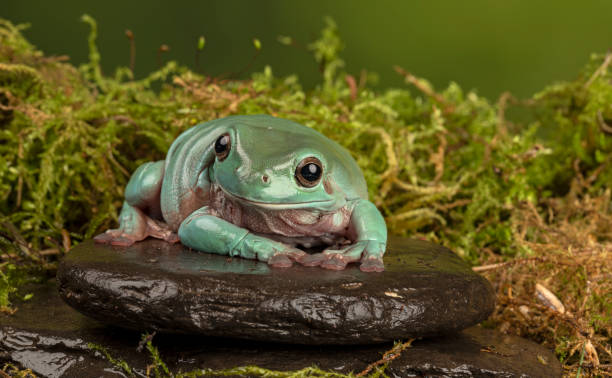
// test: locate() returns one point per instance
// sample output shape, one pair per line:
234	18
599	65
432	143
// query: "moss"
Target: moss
445	164
11	370
159	369
117	362
12	277
158	366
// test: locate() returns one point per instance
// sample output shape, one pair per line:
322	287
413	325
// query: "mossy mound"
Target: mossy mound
449	166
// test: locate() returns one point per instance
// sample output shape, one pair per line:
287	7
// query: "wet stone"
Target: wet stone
54	340
426	290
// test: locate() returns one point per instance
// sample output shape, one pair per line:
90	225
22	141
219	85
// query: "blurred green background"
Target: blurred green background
487	45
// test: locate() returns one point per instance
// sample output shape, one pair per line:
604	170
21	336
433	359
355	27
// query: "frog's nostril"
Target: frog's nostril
265	179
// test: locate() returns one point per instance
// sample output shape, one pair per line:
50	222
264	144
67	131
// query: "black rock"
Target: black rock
425	290
53	340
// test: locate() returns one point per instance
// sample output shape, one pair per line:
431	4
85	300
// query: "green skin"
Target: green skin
250	202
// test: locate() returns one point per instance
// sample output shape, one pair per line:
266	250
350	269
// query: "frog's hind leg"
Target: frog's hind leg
135	225
141	209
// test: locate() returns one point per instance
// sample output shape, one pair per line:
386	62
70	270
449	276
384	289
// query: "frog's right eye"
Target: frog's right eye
222	146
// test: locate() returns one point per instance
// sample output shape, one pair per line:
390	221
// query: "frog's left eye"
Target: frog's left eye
308	173
222	146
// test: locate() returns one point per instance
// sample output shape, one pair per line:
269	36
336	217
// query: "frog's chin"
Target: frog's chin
320	205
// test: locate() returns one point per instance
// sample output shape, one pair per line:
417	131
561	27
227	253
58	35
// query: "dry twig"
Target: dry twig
483	268
423	87
599	70
602	123
389	356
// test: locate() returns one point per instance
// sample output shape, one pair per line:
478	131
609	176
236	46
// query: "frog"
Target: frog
257	187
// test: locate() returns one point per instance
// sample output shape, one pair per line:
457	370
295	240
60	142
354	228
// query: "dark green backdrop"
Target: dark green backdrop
490	45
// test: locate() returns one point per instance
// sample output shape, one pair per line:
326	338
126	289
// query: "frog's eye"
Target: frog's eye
308	173
222	146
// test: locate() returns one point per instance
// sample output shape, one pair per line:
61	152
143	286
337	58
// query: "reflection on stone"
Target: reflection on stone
52	339
425	290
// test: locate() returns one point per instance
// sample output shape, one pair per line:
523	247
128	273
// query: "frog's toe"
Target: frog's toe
172	238
312	260
372	264
280	261
107	237
115	237
338	259
102	238
372	260
122	241
335	262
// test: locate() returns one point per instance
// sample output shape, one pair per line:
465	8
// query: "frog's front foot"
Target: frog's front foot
369	252
135	226
276	254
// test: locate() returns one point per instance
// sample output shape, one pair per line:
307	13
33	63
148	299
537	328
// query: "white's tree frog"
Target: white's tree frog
256	186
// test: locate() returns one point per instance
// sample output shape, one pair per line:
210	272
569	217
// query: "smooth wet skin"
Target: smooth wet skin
256	187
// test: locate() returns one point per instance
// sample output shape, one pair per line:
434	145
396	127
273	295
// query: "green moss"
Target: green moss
446	164
159	369
13	276
11	370
74	136
158	366
117	362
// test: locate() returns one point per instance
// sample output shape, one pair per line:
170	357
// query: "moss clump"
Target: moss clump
117	362
11	277
158	368
446	165
11	370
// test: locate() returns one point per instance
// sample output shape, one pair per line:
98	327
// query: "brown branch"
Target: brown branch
502	104
118	118
452	205
66	240
389	356
411	79
363	78
599	70
160	51
44	252
130	35
350	80
116	163
602	124
483	268
143	342
20	179
437	158
21	242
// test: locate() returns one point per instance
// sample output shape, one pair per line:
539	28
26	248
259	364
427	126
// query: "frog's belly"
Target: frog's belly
306	227
309	241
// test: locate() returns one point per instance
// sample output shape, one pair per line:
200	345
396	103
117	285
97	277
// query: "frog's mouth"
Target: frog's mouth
280	206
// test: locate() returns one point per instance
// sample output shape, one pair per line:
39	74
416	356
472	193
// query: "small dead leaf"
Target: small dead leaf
549	299
66	243
392	294
491	349
351	285
591	353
